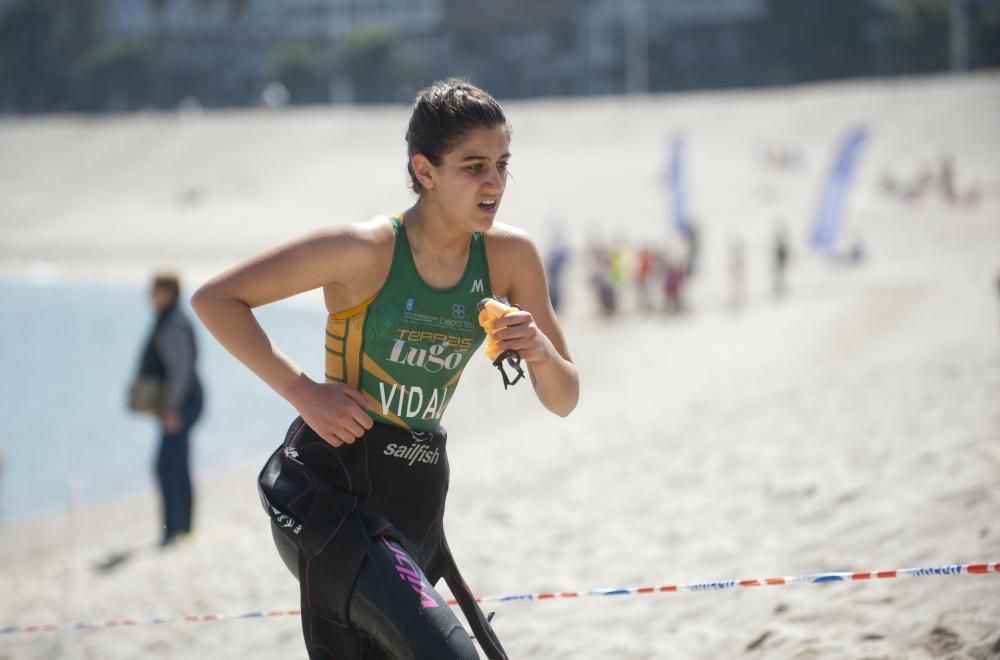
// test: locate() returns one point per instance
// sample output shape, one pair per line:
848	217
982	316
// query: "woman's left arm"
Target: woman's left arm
534	332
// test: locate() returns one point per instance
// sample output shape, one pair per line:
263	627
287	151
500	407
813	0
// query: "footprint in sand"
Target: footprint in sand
942	641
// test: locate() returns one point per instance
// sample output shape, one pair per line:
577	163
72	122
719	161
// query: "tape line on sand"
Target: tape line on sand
951	570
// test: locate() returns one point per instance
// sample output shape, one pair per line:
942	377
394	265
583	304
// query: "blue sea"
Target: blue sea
67	354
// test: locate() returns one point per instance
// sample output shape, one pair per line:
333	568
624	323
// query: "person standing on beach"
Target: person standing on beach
356	493
675	274
169	358
779	260
555	263
645	263
601	278
692	239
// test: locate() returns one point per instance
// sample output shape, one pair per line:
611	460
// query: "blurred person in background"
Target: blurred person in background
555	263
780	255
675	274
601	278
356	493
168	360
619	261
692	239
645	273
857	252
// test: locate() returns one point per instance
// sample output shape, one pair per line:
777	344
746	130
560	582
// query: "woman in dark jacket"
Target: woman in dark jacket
169	357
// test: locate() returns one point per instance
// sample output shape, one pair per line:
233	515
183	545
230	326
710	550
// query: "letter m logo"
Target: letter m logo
477	286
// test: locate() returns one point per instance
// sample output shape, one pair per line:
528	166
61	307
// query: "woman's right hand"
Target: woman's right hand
335	411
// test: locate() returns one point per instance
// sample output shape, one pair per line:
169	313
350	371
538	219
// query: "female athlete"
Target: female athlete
356	492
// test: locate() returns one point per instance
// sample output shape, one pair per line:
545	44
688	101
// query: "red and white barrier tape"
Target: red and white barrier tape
816	578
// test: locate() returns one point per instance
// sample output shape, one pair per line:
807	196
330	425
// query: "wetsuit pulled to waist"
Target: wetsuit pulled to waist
397	477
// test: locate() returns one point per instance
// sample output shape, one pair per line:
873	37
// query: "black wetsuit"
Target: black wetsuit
361	527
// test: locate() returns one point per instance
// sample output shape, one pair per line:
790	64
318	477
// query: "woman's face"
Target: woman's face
472	177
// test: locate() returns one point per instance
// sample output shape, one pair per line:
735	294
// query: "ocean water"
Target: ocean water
67	354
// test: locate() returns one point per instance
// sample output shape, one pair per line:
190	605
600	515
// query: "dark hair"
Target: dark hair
167	282
442	116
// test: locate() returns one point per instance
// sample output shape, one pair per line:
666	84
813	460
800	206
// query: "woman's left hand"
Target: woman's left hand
517	331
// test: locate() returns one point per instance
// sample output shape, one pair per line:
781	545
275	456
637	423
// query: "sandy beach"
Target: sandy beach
853	424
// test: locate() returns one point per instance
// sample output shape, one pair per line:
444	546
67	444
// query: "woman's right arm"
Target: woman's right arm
225	303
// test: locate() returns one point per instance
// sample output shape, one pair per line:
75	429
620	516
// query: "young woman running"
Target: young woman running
356	492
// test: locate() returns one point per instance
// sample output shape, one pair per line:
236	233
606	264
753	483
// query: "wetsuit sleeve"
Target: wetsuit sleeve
176	349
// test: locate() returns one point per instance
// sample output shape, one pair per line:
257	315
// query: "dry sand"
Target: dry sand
853	425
